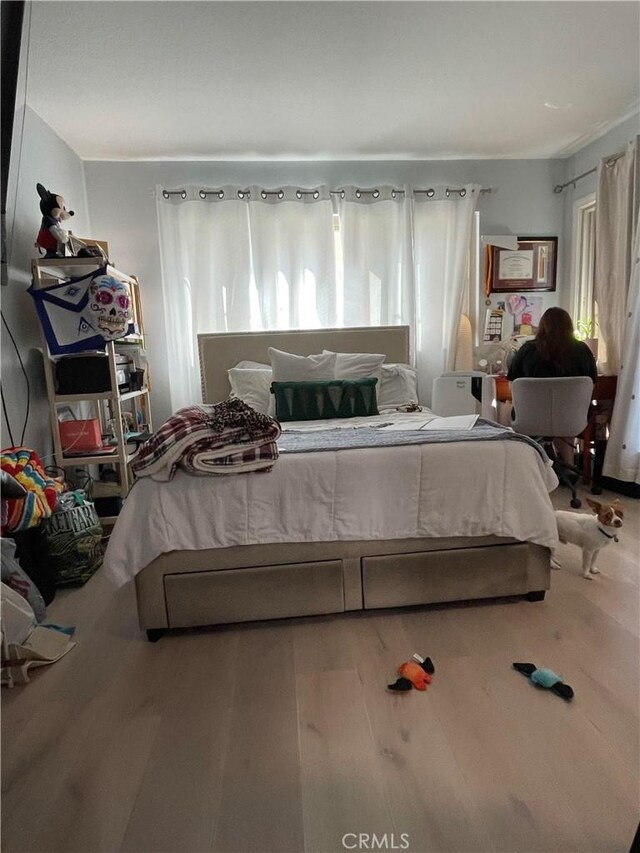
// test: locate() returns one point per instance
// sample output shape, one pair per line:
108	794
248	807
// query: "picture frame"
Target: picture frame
530	267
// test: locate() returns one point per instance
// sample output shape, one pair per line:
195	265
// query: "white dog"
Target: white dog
591	533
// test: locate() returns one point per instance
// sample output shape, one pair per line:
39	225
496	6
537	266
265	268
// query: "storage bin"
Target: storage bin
82	374
80	435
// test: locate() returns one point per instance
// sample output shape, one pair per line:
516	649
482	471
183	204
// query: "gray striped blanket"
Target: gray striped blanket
292	441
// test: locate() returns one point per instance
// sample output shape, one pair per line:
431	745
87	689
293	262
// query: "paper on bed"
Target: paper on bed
454	422
457	422
413	420
404	426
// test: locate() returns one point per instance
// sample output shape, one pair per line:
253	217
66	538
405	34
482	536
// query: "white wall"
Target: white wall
123	210
611	143
582	161
38	155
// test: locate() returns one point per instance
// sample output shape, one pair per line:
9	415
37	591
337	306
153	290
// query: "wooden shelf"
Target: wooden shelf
101	489
98	459
108	520
108	404
129	395
91	459
101	395
63	268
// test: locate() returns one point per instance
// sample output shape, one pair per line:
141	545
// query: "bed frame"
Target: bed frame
182	589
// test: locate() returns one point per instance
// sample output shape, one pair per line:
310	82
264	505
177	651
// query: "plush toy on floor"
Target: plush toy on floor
546	678
414	673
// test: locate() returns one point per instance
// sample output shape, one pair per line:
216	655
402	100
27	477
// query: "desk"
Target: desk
604	393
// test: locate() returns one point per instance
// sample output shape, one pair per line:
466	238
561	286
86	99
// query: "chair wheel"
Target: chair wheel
576	503
596	490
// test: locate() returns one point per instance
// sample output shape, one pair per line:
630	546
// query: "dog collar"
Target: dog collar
608	535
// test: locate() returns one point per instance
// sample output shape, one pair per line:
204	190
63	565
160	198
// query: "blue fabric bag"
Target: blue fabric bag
83	313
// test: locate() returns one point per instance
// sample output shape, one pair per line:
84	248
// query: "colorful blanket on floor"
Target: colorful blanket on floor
42	490
226	438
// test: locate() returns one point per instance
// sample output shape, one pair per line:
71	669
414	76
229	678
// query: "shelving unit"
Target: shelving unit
109	404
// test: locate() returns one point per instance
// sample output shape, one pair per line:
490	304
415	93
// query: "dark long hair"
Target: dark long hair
555	340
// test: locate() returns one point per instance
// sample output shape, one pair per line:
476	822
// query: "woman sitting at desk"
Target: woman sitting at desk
554	352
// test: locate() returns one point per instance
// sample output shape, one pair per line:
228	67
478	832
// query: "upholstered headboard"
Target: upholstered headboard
221	351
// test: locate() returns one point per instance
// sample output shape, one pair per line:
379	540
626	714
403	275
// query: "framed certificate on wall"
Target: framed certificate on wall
532	266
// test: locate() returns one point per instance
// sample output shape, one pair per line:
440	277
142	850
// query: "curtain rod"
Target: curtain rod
560	187
461	191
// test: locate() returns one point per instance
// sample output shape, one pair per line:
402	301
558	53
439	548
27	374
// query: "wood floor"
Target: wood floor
282	736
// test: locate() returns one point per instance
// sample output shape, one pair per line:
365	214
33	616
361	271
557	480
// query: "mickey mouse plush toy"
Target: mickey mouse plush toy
52	237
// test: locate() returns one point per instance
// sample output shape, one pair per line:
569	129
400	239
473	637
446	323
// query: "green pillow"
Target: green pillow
330	398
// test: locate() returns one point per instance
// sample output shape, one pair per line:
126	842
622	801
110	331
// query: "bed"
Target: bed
335	531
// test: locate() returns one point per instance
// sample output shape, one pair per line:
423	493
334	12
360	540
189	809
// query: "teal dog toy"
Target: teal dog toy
546	678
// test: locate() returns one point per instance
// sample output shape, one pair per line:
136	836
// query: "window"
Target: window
584	232
585	306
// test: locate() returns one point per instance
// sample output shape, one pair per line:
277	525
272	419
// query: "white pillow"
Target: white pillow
288	367
253	386
359	365
254	365
398	387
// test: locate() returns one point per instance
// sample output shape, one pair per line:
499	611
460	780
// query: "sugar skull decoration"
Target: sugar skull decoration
110	306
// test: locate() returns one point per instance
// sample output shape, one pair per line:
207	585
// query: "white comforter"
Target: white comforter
460	489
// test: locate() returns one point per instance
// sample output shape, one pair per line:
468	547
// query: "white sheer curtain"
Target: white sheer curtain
242	259
442	227
615	225
292	252
376	246
622	459
237	259
406	260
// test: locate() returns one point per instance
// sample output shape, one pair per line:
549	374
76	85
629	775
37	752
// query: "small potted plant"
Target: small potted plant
585	332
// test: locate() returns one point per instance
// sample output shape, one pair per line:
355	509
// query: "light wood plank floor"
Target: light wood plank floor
282	736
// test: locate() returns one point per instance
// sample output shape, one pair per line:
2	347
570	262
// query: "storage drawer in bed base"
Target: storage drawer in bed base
453	575
240	595
188	588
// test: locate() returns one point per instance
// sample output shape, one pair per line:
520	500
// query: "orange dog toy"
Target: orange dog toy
414	673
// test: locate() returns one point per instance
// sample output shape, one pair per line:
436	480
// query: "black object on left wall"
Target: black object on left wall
12	17
32	551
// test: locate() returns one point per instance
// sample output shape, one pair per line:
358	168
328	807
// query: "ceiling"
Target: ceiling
332	80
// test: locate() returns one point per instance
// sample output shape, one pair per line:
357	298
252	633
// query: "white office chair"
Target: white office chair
546	407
